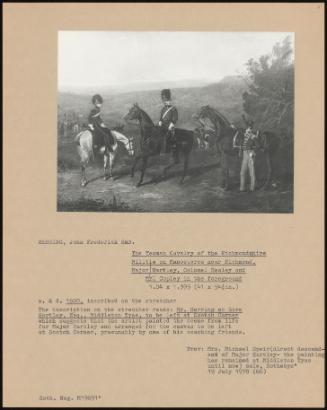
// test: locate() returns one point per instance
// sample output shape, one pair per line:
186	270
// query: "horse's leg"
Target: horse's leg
111	162
218	149
144	164
227	185
269	171
225	173
105	166
136	160
83	179
167	168
224	170
185	166
170	165
227	165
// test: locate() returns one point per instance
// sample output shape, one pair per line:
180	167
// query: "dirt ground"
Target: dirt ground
200	191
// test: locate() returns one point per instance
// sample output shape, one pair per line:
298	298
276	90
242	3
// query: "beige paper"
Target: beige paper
281	298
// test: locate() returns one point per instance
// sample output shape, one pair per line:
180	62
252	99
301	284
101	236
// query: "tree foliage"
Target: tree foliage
269	99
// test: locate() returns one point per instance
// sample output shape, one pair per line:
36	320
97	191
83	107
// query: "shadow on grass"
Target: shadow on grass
94	205
192	173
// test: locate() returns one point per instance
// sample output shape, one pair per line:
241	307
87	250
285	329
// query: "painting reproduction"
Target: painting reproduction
175	122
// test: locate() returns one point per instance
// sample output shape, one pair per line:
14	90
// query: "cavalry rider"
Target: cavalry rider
249	145
101	134
168	119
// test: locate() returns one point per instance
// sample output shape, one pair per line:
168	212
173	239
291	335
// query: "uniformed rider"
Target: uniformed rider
168	120
102	134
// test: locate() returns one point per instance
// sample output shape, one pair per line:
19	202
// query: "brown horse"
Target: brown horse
152	142
224	133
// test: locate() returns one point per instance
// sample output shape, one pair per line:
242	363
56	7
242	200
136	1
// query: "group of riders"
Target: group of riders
247	143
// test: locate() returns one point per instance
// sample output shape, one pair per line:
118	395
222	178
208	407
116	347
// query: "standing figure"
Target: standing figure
248	147
101	134
168	120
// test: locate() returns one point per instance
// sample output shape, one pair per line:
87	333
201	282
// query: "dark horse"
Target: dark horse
225	134
226	137
152	142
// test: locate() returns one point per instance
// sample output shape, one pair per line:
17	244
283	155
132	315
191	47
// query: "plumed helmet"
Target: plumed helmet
97	99
166	93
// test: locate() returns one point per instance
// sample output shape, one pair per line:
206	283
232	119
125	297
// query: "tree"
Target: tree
269	99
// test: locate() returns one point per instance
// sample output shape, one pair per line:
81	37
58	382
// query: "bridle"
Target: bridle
130	148
205	114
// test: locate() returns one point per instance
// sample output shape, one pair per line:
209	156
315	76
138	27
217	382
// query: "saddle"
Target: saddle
102	137
169	142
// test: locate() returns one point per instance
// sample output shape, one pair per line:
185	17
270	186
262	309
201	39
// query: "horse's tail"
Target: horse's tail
84	141
78	138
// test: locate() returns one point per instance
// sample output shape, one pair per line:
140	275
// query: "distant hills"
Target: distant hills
135	86
188	96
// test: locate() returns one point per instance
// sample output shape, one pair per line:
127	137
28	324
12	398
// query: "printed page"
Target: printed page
163	205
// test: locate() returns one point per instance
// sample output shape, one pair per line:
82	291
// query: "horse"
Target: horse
151	142
84	141
224	134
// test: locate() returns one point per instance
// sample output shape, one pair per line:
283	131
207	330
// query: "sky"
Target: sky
112	58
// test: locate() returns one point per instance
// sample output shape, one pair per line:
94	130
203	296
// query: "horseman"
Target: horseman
168	120
101	134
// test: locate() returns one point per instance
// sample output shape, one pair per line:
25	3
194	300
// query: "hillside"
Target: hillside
225	96
133	87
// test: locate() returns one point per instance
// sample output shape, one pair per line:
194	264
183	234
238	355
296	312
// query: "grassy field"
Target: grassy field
200	191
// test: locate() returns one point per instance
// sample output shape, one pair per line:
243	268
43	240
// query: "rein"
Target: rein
130	144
